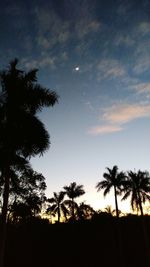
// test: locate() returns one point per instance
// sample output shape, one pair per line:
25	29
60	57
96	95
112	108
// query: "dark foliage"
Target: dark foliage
84	243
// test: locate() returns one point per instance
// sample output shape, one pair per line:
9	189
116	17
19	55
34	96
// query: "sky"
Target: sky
96	56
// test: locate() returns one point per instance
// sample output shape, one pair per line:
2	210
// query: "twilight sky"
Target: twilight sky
96	56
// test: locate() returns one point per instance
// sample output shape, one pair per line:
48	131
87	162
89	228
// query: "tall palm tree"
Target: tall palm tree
58	205
22	133
137	185
73	191
113	178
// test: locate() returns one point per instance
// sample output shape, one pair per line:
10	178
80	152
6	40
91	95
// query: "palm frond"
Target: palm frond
52	209
51	200
107	190
61	196
31	76
68	202
126	195
102	185
107	176
65	211
74	190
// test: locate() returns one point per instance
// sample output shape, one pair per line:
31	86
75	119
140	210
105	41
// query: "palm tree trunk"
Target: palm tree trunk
4	217
73	217
140	204
58	214
116	202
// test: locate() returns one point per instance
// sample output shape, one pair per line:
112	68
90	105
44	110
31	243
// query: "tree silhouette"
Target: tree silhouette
20	211
85	211
112	212
29	185
73	191
58	205
109	210
113	178
22	134
27	190
137	185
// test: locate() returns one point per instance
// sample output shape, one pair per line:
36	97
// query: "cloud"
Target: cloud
51	29
141	67
42	62
89	106
121	114
86	26
124	39
134	36
109	69
83	19
104	129
142	88
137	40
142	57
144	27
115	117
142	49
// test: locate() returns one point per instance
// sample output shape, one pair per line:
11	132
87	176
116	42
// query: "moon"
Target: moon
77	68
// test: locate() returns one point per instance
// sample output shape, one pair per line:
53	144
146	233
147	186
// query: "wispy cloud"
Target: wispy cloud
86	26
104	129
144	27
89	106
137	41
142	88
142	49
39	63
115	117
137	34
124	39
51	29
142	57
109	69
123	113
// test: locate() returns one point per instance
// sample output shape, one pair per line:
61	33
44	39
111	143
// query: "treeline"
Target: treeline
27	196
135	185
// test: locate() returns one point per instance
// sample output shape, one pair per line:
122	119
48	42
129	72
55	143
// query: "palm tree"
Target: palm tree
112	212
113	178
109	210
22	133
73	191
58	205
137	185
